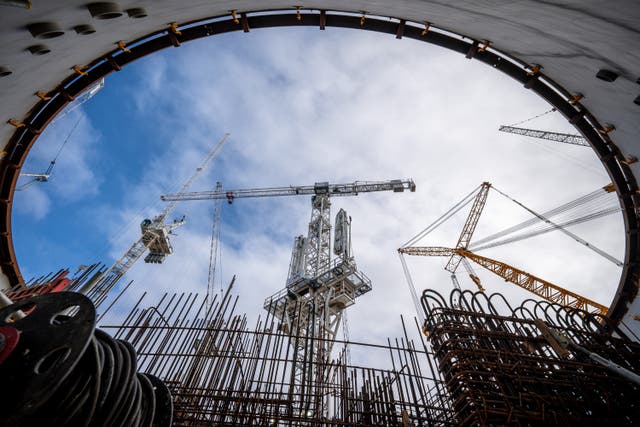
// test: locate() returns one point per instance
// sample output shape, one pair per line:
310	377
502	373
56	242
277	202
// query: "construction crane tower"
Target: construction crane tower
154	238
320	284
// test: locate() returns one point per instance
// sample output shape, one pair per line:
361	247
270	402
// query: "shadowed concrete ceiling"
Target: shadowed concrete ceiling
572	41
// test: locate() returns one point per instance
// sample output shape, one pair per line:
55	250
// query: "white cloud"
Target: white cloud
342	106
36	205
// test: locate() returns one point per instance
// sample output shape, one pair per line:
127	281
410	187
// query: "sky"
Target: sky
305	106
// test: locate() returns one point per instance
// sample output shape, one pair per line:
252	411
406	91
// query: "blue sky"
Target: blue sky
304	106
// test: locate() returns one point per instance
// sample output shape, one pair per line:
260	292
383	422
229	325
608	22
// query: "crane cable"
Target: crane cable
442	219
534	117
412	288
567	232
534	233
591	206
67	139
53	162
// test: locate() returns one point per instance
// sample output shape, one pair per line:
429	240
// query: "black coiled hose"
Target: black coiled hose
61	371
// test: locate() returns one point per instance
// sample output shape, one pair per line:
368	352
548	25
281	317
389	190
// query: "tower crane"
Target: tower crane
565	138
318	287
321	192
44	177
154	238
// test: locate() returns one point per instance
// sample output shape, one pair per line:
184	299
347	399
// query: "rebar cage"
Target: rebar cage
500	369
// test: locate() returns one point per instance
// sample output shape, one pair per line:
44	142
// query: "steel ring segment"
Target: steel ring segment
51	344
44	111
75	401
121	390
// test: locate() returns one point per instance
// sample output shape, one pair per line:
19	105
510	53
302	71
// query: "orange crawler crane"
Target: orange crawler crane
531	283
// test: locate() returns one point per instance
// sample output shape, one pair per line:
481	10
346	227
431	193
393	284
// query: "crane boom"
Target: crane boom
531	283
566	138
469	226
155	238
320	188
212	155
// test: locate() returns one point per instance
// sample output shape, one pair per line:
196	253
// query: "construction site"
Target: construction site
90	345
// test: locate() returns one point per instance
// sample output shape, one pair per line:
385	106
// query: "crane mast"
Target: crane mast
313	302
154	238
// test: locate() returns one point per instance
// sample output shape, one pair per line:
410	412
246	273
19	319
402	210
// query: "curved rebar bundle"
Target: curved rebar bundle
500	369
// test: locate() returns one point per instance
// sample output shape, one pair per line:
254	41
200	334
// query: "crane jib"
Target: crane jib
319	188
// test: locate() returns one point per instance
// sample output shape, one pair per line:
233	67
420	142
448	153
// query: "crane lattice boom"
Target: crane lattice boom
320	188
155	238
566	138
187	185
469	226
531	283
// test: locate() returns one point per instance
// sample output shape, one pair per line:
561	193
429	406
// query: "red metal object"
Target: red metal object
58	284
8	341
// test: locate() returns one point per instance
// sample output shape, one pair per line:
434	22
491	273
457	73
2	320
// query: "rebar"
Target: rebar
222	372
499	369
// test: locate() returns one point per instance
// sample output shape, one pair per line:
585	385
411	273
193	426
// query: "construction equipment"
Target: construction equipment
320	188
461	253
44	177
155	238
529	282
469	226
82	98
321	191
565	138
318	288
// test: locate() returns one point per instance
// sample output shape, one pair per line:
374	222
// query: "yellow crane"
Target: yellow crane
461	253
531	283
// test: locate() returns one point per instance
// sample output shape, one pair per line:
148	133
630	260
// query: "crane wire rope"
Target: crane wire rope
443	218
564	153
565	231
534	117
534	233
590	206
53	161
412	288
